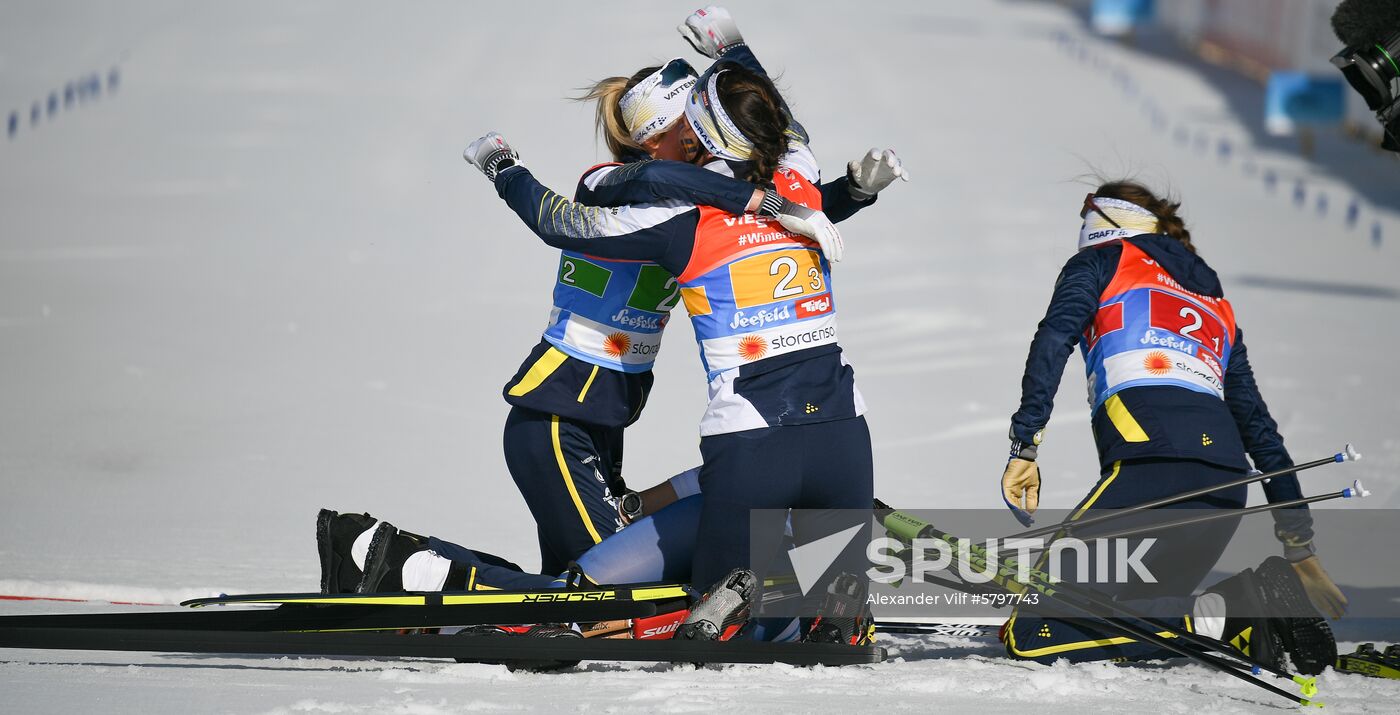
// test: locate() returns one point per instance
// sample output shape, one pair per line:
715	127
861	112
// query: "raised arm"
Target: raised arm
663	232
648	181
713	33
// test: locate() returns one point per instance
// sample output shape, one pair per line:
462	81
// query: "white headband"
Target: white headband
656	102
1132	220
712	125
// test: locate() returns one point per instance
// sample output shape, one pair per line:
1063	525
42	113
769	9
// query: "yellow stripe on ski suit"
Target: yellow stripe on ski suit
1011	622
1079	645
569	480
588	384
543	368
1124	421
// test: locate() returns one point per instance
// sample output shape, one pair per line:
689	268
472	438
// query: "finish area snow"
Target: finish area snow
254	278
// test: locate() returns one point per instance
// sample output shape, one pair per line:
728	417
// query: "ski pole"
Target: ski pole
1354	491
922	628
1349	454
1184	643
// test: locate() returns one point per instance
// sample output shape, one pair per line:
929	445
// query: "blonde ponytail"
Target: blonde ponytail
607	119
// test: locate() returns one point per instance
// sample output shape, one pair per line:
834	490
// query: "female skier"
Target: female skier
1175	408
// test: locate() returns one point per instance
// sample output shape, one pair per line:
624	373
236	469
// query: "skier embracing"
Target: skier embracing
773	381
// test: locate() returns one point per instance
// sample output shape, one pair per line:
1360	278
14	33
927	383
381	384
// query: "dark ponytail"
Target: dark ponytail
1168	222
753	102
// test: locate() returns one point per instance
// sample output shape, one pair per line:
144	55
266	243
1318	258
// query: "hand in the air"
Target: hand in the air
870	174
491	154
710	30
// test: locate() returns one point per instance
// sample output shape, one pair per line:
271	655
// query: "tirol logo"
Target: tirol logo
752	347
1157	363
617	344
814	306
1210	362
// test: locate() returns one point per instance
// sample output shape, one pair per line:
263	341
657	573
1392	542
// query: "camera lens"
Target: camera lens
1372	69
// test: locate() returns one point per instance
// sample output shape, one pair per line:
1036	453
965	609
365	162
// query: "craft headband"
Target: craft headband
656	102
1098	228
712	125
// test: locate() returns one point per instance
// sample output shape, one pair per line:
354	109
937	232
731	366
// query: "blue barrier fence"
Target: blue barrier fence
86	89
1358	213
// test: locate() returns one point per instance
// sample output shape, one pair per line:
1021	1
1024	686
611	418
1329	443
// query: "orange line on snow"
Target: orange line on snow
75	600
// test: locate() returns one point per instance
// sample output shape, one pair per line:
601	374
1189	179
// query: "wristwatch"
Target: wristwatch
629	507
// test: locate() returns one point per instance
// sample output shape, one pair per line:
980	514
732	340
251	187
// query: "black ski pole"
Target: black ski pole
1349	454
1190	645
1354	491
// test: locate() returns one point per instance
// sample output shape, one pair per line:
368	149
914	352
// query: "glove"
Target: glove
1321	590
491	154
710	31
806	222
1021	479
873	172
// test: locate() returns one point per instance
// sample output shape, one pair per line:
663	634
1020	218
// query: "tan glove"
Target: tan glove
1323	593
1021	480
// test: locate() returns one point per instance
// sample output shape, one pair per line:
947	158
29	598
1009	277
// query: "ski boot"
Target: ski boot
388	550
538	630
722	610
1276	619
1246	629
335	536
1368	661
845	616
1306	636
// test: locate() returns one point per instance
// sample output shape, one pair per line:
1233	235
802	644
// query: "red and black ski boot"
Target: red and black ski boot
845	615
722	611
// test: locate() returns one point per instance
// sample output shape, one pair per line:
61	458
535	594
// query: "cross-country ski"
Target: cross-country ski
1019	356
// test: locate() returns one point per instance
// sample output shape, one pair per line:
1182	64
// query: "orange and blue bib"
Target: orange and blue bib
1150	330
754	290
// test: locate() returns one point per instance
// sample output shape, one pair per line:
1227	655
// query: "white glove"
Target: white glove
491	154
805	222
710	31
873	172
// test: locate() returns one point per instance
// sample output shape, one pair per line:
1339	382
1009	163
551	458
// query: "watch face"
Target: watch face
1036	438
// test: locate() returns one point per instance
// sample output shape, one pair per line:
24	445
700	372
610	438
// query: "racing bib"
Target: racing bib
753	290
609	312
1150	330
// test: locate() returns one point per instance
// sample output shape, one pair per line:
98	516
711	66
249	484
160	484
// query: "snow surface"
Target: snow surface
257	279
